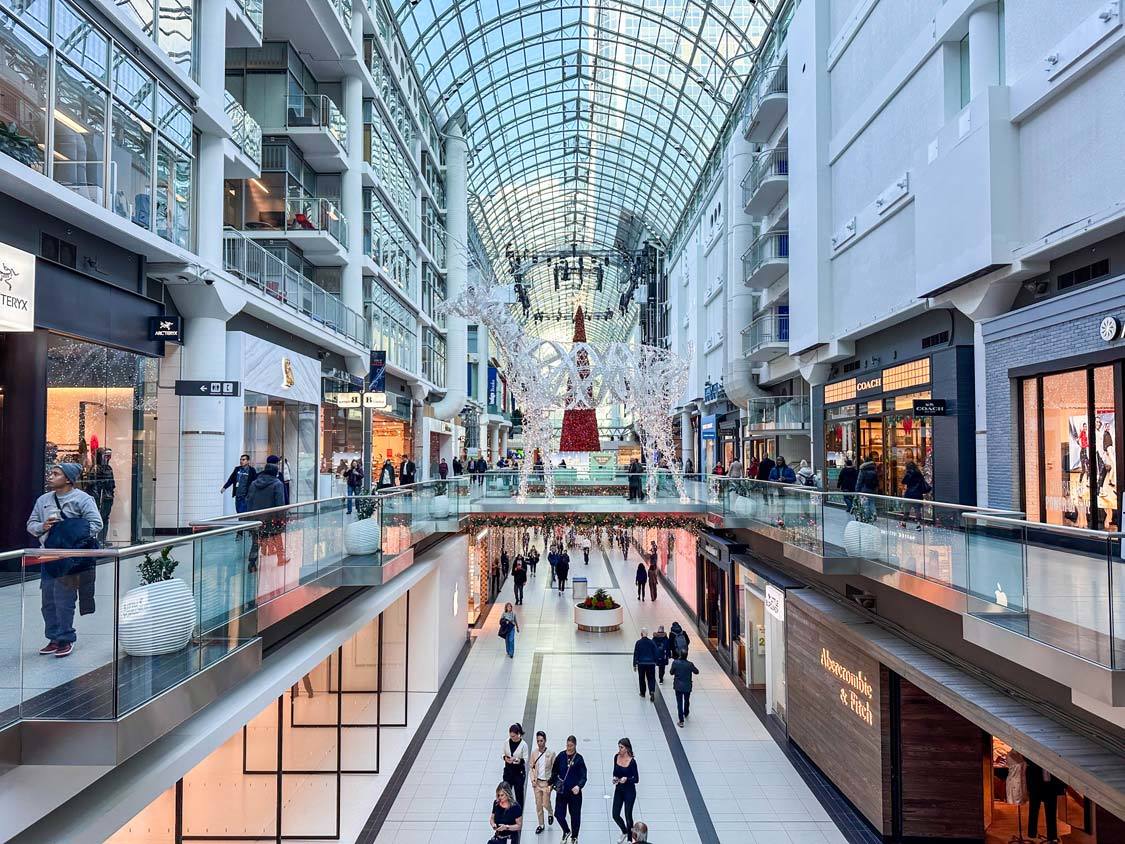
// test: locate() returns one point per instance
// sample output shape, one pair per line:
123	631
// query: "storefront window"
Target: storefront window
287	429
1104	443
1066	458
1032	491
101	414
131	173
908	439
839	442
390	437
341	442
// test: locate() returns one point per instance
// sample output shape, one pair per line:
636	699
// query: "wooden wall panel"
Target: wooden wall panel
835	710
943	788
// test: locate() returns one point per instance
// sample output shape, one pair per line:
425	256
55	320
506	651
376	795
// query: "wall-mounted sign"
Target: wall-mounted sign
222	389
775	602
760	638
493	386
856	691
713	392
170	329
17	289
1110	329
288	379
344	399
377	373
377	401
929	407
708	426
869	385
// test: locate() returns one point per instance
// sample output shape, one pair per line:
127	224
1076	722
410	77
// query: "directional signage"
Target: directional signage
345	399
222	389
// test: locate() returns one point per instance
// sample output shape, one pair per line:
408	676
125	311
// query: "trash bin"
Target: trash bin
580	589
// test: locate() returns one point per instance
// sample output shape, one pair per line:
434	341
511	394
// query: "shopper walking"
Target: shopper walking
103	487
568	779
515	761
509	627
519	580
386	475
641	580
505	561
533	560
354	479
681	672
765	468
867	483
734	470
625	779
653	570
640	832
443	469
915	487
846	481
541	766
406	471
644	663
663	651
267	492
805	474
553	560
678	639
239	483
562	569
1043	791
586	549
506	819
64	517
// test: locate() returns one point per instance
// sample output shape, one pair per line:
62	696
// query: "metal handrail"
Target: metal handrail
982	514
766	246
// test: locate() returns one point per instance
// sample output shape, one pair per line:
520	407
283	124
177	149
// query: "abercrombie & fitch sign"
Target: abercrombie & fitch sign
17	289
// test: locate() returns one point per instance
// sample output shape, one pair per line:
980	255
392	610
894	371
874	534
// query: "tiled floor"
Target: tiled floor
585	685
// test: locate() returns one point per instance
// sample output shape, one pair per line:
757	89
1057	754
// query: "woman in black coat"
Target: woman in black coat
916	487
642	580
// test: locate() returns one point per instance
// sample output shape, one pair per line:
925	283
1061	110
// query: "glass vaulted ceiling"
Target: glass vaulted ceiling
588	124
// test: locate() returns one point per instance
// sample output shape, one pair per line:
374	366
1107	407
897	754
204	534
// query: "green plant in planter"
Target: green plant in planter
157	569
365	506
20	147
860	511
600	600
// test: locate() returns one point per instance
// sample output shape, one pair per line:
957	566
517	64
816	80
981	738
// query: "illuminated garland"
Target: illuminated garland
550	521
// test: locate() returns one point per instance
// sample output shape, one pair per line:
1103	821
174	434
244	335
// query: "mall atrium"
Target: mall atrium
784	338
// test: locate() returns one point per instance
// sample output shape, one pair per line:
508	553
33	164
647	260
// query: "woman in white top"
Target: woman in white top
515	761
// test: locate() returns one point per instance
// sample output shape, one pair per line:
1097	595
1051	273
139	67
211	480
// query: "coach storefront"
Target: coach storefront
920	749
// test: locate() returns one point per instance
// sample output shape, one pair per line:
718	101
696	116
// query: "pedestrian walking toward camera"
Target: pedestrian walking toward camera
533	560
239	481
642	580
568	779
562	569
519	580
678	639
515	761
509	626
507	816
542	766
653	571
586	549
640	833
644	663
681	672
625	779
663	651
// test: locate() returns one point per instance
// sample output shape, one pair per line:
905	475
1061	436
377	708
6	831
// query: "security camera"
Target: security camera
209	281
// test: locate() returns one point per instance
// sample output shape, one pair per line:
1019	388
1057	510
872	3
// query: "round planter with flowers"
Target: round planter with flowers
599	613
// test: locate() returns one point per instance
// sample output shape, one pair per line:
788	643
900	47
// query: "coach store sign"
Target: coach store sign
17	289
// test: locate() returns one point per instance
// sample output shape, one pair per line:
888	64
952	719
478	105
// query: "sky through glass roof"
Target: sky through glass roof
587	122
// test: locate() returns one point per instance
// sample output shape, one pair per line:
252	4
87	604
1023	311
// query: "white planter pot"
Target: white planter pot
157	618
441	507
598	621
362	536
863	540
742	506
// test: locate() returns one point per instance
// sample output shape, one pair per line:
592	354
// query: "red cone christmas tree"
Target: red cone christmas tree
580	425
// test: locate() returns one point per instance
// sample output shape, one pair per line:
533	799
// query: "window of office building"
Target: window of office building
1069	443
171	23
433	357
23	100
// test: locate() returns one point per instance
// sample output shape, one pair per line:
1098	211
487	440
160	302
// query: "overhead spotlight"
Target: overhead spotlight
607	260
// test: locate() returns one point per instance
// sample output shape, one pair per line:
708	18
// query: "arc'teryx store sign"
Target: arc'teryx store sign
17	289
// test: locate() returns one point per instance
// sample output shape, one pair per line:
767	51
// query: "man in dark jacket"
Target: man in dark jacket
519	578
678	640
867	478
241	477
644	663
265	493
562	569
681	672
1043	789
406	471
764	468
846	482
568	779
663	651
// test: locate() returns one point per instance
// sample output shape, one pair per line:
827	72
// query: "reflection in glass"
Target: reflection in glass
1031	489
173	195
131	168
80	113
141	11
132	85
23	95
78	40
1066	445
175	32
1104	446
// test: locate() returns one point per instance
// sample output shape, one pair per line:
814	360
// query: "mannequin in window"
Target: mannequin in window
1043	789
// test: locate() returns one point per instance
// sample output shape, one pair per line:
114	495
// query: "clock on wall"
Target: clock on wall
1110	328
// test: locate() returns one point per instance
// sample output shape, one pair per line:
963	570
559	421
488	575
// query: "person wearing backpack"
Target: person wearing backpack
678	639
509	627
64	517
915	487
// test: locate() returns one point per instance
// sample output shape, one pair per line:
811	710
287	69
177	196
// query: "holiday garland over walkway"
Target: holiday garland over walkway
550	521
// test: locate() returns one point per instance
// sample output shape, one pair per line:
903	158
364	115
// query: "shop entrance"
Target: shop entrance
711	588
287	429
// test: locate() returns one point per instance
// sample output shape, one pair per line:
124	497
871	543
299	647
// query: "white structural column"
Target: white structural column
202	421
351	184
984	49
212	22
503	452
686	439
457	265
494	442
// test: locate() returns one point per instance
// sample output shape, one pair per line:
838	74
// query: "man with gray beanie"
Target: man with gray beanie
60	589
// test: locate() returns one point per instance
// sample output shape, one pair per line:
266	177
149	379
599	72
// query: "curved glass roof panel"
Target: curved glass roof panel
588	124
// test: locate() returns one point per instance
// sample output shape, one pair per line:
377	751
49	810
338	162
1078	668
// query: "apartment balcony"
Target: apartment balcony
766	260
243	150
767	337
318	127
244	23
779	415
272	278
767	103
767	182
317	226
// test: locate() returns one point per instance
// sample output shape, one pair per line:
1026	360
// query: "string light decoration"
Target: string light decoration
546	376
550	521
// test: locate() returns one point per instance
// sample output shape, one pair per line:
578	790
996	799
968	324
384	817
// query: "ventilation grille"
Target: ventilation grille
850	367
1084	274
59	251
939	339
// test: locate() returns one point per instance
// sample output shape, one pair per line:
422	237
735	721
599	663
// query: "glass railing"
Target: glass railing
316	214
245	131
92	635
772	80
343	10
766	248
316	110
768	329
779	413
769	164
256	267
253	10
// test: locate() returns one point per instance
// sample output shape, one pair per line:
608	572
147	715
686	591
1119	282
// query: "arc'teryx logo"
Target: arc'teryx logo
7	300
7	274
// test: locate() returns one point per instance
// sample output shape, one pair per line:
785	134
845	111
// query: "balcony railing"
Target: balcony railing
785	413
768	329
317	110
253	10
316	214
771	82
770	248
260	268
246	133
343	10
768	164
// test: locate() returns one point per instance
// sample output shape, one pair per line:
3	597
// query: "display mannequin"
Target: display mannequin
1016	791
